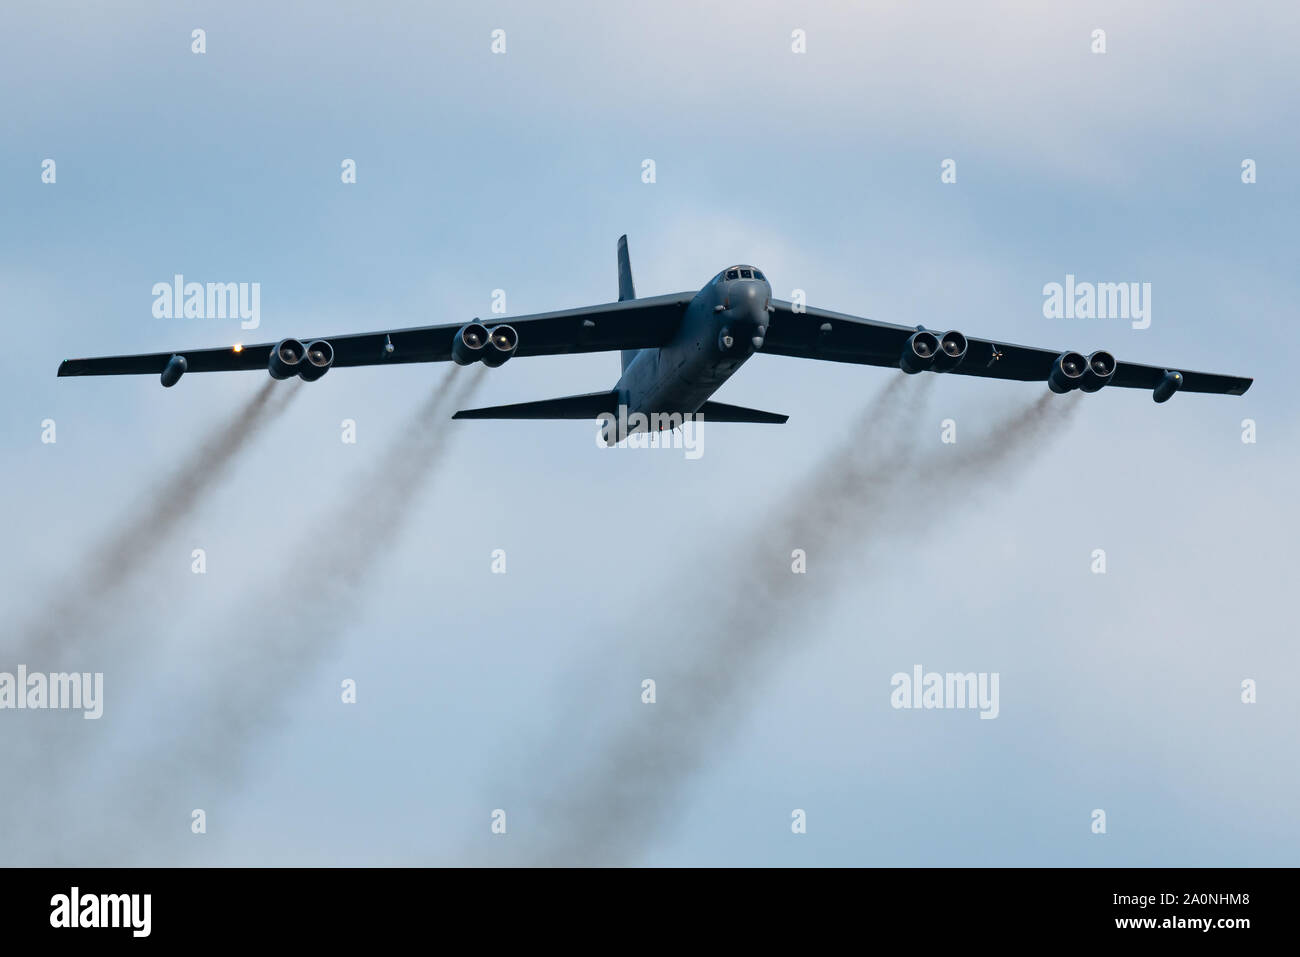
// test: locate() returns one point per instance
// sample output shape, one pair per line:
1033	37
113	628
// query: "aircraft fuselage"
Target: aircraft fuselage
721	328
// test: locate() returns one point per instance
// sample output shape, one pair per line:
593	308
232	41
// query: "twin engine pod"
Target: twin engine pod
1072	371
926	351
1101	369
286	359
502	343
474	342
291	358
320	356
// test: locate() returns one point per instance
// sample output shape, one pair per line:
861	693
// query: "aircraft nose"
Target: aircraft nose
748	313
749	299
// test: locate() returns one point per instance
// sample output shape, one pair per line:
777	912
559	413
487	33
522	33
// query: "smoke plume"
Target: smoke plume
237	702
61	623
612	808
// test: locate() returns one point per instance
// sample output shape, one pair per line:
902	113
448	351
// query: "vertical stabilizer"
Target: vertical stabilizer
625	288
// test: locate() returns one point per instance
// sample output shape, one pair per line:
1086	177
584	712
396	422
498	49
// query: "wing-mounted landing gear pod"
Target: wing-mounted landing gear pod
173	371
1169	383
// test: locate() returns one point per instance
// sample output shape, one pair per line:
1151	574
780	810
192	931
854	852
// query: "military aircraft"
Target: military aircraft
677	350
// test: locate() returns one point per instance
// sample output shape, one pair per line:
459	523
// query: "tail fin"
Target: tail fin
625	288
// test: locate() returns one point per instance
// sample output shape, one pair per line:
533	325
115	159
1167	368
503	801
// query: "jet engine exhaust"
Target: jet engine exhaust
920	352
952	350
220	728
59	636
317	360
469	345
143	530
501	345
614	805
1067	372
286	359
1101	369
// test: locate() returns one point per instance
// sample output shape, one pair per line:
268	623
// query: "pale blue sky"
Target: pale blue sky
519	172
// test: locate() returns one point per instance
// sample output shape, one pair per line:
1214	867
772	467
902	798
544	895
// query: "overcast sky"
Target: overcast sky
518	171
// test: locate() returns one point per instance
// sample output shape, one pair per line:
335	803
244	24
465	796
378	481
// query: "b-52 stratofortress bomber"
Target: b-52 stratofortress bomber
677	350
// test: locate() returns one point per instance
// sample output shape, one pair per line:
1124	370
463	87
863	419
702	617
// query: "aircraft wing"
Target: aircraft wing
834	336
635	324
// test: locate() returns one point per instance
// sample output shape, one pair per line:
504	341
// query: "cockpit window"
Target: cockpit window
733	273
759	275
747	274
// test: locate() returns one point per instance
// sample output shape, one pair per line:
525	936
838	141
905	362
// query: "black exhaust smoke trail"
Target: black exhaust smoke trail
85	612
238	700
61	624
612	809
607	801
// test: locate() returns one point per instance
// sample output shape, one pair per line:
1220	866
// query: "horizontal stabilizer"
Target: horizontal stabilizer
721	412
595	404
587	406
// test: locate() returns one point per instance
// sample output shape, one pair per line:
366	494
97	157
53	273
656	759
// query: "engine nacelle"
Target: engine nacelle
501	345
952	349
1101	368
919	353
286	359
1169	383
1067	372
319	358
173	371
467	348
